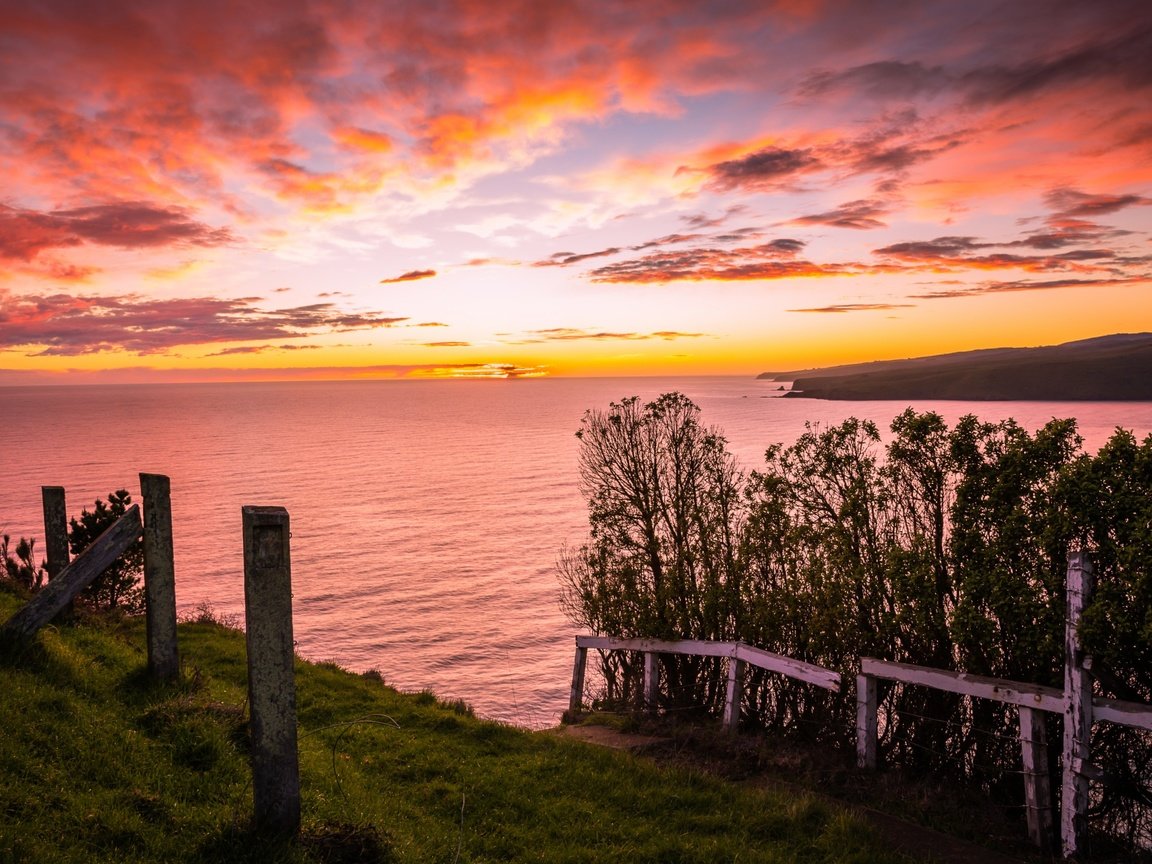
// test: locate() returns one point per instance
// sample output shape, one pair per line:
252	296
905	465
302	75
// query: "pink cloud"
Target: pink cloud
63	324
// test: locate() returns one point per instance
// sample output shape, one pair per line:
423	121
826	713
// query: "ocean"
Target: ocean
426	516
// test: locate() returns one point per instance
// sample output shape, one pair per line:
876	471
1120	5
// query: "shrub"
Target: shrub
118	587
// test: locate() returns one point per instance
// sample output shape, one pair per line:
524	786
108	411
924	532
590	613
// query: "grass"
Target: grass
98	764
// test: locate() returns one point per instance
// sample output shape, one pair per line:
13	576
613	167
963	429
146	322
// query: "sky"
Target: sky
325	189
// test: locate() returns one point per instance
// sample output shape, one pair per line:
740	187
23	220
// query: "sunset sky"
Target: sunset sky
220	190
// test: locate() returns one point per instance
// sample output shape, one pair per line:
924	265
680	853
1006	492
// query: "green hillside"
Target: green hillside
97	764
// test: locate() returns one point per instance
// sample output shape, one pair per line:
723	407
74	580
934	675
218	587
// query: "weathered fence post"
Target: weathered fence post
1037	789
55	529
271	676
867	708
651	679
1077	713
735	694
159	578
576	698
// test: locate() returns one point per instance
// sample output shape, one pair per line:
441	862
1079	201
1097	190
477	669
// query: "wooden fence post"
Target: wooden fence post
1037	789
271	676
576	698
159	578
55	529
651	679
867	707
54	597
1077	713
735	695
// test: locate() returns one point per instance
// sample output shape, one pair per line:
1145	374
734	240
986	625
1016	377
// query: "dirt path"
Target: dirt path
916	841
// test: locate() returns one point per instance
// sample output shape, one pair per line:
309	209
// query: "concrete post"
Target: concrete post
159	578
55	529
271	677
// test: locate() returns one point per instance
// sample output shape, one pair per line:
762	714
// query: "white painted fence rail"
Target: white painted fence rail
1075	702
739	654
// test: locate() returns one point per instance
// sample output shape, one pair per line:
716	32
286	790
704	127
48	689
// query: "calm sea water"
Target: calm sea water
426	516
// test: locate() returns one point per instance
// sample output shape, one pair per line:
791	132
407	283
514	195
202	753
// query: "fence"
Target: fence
267	615
738	654
1075	702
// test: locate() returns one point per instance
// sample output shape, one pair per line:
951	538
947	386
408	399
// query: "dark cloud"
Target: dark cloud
703	220
886	79
1011	287
775	260
667	240
63	324
24	234
1125	59
1062	231
576	334
1112	54
429	324
1074	203
564	259
445	344
862	215
766	168
932	250
856	307
410	276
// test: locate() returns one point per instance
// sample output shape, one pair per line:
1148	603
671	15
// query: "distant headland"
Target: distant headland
1103	369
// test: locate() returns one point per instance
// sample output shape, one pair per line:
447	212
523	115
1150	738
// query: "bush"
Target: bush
947	547
21	566
118	587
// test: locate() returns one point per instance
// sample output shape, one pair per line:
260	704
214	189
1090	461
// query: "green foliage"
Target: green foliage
944	547
118	587
664	513
20	564
99	765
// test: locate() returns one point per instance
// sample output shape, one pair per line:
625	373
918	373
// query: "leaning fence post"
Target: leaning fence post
271	676
575	699
159	577
1077	712
1037	790
866	710
735	694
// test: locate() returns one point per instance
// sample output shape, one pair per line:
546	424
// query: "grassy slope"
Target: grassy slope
96	764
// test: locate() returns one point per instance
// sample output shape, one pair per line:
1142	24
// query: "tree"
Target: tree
118	587
21	567
664	513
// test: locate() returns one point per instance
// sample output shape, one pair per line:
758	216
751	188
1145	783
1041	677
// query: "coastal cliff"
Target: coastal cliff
1107	368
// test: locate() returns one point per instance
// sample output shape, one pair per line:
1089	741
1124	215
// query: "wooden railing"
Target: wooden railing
1075	702
738	653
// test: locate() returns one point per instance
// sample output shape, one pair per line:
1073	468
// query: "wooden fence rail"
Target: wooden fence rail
739	654
1076	702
